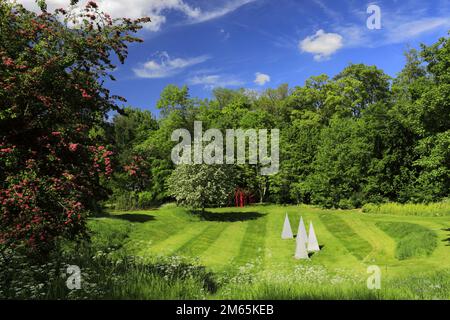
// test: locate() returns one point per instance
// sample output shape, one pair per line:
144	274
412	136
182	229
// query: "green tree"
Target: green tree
132	127
174	98
342	159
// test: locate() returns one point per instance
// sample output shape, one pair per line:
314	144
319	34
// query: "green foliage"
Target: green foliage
139	178
341	163
173	99
131	128
135	200
434	162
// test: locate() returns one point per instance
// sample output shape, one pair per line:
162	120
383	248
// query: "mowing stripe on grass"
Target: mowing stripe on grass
226	247
253	242
412	239
383	245
279	253
148	234
356	245
179	239
197	245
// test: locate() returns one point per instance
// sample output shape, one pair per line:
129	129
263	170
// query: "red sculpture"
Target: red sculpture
243	197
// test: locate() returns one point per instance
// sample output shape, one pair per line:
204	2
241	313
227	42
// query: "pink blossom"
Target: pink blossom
73	147
8	62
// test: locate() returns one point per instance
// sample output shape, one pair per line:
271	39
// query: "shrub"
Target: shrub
133	200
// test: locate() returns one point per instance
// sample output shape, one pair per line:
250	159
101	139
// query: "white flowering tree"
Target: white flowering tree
202	185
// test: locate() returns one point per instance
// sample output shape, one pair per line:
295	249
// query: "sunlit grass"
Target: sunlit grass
412	239
432	209
238	253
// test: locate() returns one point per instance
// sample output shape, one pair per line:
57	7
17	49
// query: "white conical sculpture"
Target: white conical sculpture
301	233
300	251
287	231
313	245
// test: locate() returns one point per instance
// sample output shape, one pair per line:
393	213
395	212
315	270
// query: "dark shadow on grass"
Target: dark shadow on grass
227	216
131	217
310	254
448	239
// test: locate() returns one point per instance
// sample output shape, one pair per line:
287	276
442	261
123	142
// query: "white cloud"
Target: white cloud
155	9
165	66
214	81
398	25
228	7
409	30
321	44
261	78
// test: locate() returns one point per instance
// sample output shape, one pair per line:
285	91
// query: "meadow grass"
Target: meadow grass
109	233
410	209
412	239
431	286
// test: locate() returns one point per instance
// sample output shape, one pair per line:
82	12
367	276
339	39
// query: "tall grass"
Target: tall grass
104	278
314	282
106	273
410	209
432	286
412	239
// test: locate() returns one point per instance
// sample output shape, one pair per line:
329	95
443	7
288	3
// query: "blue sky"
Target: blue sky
259	44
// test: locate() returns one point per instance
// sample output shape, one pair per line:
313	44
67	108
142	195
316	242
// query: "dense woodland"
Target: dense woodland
358	137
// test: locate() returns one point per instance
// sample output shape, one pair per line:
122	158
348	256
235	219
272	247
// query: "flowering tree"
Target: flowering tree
202	185
51	93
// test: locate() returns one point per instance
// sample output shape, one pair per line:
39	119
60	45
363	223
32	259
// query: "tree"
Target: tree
342	159
202	185
173	98
131	128
52	96
357	87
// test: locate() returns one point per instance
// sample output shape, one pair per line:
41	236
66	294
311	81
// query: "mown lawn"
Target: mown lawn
244	245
